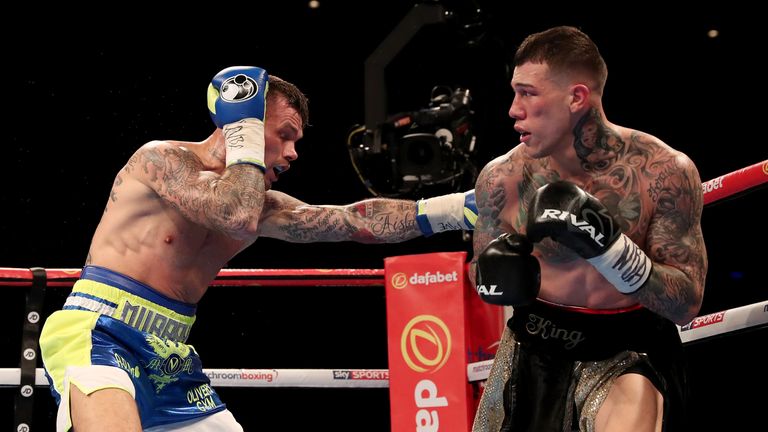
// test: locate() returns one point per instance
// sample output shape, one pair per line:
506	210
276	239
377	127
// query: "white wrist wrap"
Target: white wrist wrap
245	142
624	265
442	213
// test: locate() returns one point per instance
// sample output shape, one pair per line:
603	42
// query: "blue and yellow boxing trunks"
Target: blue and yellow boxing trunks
116	332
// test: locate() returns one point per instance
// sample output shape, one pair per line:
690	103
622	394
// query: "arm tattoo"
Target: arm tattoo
227	203
370	221
670	227
113	193
531	181
492	197
675	241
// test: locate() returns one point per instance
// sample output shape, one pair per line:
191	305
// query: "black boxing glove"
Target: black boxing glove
576	219
507	274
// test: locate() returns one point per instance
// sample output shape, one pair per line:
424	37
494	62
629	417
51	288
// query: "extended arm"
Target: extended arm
375	220
370	221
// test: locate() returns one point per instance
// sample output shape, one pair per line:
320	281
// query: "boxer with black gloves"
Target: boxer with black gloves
614	215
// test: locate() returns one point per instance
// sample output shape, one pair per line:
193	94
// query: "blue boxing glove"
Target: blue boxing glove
237	102
456	211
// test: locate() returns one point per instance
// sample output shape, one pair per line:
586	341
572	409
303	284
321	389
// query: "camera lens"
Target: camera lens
420	152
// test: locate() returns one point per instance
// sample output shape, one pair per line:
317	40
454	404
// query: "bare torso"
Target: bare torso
143	236
633	182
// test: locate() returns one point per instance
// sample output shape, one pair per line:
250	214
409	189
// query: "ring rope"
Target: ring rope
58	277
306	378
732	184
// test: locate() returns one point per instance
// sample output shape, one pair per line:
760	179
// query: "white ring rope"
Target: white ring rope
705	326
320	378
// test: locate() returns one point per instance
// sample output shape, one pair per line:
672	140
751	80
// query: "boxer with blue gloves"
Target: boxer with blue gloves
116	354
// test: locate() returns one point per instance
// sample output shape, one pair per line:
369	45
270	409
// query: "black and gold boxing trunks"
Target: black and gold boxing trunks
555	365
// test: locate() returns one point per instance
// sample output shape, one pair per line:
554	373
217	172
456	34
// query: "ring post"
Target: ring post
436	325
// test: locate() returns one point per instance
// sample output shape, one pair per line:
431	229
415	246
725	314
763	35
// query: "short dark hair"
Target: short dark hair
563	49
292	95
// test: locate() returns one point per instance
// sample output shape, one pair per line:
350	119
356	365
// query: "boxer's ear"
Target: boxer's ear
579	97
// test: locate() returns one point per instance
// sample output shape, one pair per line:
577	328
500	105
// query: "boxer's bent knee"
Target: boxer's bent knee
633	403
108	409
95	396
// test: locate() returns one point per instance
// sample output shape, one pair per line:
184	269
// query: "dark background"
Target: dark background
83	89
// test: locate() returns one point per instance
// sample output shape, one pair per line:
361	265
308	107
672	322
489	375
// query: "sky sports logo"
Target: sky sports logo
361	374
704	321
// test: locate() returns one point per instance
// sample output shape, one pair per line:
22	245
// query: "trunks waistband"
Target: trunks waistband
584	335
110	293
586	310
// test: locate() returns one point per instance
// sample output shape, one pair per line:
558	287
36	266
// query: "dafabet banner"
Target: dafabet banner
430	306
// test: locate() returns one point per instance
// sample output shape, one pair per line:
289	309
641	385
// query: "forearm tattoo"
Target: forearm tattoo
369	221
531	181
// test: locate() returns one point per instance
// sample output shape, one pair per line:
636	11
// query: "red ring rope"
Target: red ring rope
226	277
730	184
